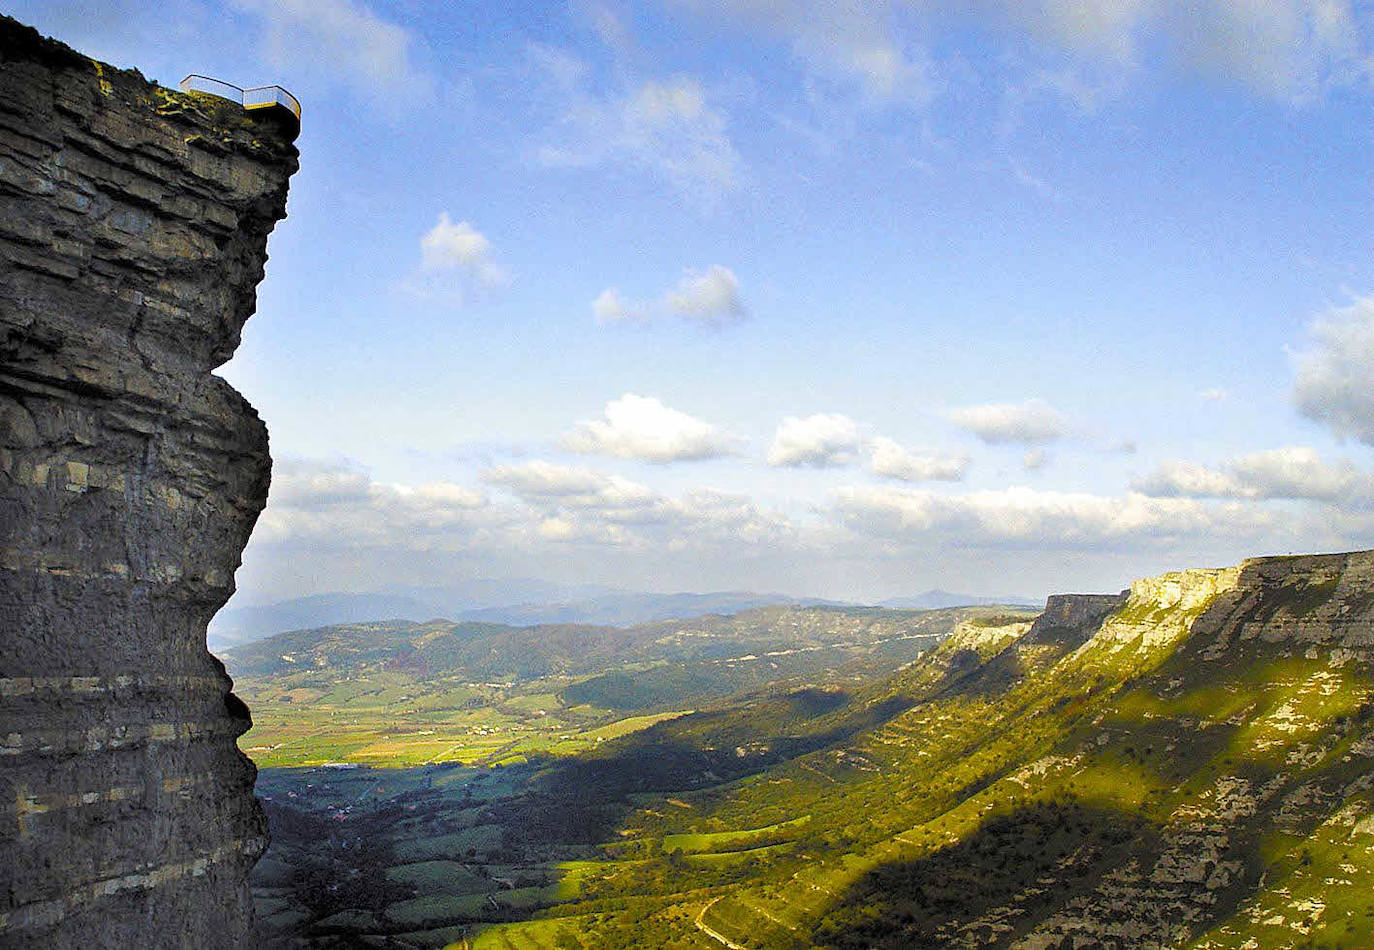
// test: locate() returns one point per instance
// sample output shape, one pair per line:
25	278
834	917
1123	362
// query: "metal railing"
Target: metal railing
259	97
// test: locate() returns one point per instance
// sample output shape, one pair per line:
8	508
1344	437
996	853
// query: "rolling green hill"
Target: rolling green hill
397	693
1188	764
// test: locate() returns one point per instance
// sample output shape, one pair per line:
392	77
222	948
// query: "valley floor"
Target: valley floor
1188	766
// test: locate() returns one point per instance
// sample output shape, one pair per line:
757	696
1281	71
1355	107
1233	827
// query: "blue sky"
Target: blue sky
837	298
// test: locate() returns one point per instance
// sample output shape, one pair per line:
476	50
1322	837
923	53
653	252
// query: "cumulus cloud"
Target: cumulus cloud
642	427
329	524
667	127
1028	423
824	440
833	440
1182	479
710	297
551	487
456	262
1297	472
1335	375
611	307
580	504
459	246
1294	472
1025	517
332	527
319	501
1216	394
374	55
891	460
318	486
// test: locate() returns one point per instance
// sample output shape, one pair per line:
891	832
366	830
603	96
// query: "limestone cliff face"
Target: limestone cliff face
1188	765
1071	619
133	225
1158	611
1263	704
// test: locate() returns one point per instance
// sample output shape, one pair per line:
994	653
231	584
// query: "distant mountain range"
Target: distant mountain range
523	602
940	599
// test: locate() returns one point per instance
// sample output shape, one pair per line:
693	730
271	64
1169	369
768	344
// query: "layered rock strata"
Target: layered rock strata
1294	638
1188	764
1072	619
133	226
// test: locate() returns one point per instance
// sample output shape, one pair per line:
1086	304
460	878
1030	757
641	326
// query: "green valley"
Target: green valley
1187	764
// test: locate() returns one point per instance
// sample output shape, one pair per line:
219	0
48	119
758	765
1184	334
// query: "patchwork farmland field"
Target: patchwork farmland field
418	801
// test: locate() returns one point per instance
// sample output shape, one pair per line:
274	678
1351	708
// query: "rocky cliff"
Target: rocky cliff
1072	619
1189	764
133	225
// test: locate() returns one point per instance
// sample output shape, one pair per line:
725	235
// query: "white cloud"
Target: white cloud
316	486
1025	517
1034	460
642	427
321	502
710	297
610	307
331	527
1297	472
459	246
1182	479
1335	377
832	440
1287	49
853	41
325	519
540	479
607	25
824	440
1294	472
456	262
663	126
343	39
890	459
1215	394
580	504
543	483
1029	423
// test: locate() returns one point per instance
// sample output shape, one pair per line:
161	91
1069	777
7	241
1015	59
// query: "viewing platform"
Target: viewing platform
273	101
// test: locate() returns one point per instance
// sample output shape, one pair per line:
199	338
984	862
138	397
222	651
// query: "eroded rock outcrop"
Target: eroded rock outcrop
1188	764
1271	674
1072	619
133	226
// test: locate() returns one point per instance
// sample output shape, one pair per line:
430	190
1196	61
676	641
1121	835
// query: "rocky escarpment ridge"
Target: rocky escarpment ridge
1072	619
1188	764
1262	708
133	226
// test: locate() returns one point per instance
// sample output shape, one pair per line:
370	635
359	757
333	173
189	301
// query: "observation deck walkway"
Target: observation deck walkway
275	99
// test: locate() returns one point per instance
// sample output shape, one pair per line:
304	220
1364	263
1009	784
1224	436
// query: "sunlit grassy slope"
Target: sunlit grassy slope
401	694
1197	774
1190	766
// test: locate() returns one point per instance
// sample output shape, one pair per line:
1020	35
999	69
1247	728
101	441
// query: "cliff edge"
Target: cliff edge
133	228
1186	764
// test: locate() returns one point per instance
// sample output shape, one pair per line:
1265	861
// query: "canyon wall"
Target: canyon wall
133	227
